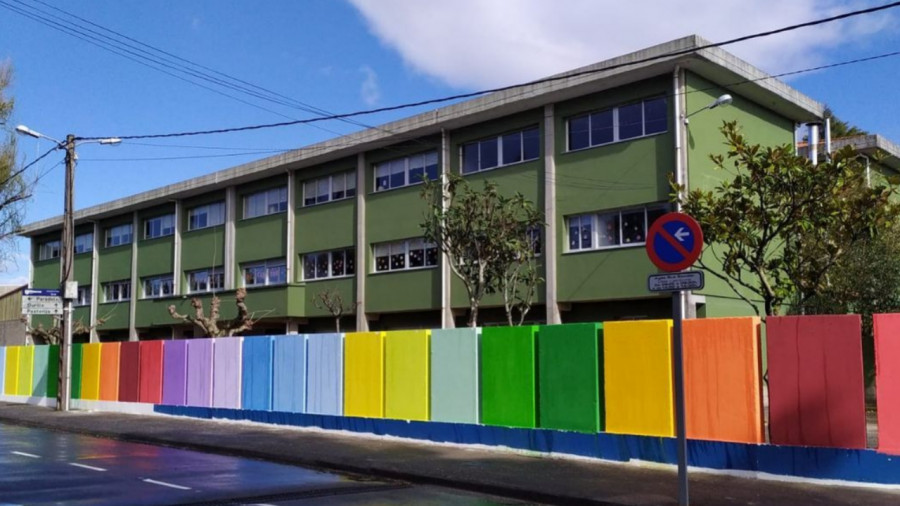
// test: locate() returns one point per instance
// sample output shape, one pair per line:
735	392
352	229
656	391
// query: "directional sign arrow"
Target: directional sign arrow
681	234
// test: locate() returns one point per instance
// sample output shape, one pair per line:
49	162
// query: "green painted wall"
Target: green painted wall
115	313
155	256
114	263
263	237
345	286
615	176
274	302
403	290
202	249
45	272
760	126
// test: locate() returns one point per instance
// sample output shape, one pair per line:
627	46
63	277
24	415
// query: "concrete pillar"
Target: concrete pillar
362	264
176	255
135	281
550	230
228	265
290	240
95	282
447	320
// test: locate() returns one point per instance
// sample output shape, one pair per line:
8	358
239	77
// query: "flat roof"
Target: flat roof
714	64
879	148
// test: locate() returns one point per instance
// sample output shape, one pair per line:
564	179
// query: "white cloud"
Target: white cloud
478	44
369	90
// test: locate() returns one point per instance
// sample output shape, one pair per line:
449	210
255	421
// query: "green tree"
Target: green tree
484	235
779	224
840	128
15	189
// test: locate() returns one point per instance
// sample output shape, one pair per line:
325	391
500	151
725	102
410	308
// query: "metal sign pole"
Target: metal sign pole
678	366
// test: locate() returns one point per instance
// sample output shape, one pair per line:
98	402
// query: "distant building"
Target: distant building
12	328
593	148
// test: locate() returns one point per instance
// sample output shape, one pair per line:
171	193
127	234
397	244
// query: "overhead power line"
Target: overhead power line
514	86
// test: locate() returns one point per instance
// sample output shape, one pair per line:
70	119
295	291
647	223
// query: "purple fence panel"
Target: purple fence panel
226	389
175	373
199	372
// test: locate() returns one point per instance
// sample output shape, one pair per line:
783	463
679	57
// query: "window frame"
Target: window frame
125	283
616	125
164	279
595	220
84	296
404	247
499	146
314	255
407	162
192	215
109	235
266	266
90	243
48	247
164	231
212	274
279	193
349	185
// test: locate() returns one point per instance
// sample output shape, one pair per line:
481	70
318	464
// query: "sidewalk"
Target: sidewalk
540	478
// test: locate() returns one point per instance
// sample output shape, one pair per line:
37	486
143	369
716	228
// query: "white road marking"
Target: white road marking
164	484
85	466
30	455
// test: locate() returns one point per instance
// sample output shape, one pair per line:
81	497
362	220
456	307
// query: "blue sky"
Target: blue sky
349	55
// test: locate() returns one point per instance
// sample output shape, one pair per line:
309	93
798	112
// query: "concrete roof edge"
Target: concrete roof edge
430	122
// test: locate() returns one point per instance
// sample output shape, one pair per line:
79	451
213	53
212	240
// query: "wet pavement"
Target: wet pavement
500	472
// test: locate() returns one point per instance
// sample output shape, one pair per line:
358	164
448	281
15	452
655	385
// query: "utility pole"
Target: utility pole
67	253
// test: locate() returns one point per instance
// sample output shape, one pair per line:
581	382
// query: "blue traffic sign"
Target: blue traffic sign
674	242
41	292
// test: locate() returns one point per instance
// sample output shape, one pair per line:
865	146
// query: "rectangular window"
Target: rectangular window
206	280
265	202
209	215
84	243
157	286
611	229
48	250
329	188
84	296
159	226
117	291
329	264
621	123
406	171
404	255
507	149
534	238
270	272
118	235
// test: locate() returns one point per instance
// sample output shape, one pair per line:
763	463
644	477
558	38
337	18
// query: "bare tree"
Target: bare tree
53	335
330	300
15	188
211	325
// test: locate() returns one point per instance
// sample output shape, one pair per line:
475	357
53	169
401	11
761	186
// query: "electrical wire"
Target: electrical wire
509	87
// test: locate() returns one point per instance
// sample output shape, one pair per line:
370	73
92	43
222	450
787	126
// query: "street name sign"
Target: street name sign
674	242
690	280
41	301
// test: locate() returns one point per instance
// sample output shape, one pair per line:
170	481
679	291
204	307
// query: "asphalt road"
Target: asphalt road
44	467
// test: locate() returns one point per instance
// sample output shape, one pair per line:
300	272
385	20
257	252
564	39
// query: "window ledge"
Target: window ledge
613	143
264	215
409	269
331	278
523	162
606	248
188	231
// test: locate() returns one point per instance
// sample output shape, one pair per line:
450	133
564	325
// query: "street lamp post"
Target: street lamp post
68	287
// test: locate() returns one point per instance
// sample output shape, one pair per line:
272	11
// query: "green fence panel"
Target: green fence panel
569	372
454	375
53	371
508	391
75	378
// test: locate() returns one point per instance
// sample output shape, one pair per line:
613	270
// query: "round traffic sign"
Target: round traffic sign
674	242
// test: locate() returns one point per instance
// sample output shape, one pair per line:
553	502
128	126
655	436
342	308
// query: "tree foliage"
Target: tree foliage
15	188
212	325
485	237
779	225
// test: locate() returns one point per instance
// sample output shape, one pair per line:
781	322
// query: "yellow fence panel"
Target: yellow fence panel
26	370
638	377
11	371
90	371
364	374
406	378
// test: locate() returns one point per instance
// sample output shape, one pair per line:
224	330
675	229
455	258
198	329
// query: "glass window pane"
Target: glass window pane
337	263
631	121
470	158
337	187
417	253
487	151
655	113
512	148
587	232
579	132
309	267
608	229
431	165
398	255
633	227
309	193
350	183
431	254
574	233
398	173
602	128
531	144
382	177
654	214
322	265
349	262
382	254
322	190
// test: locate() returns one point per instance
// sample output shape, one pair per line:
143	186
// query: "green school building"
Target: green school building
593	148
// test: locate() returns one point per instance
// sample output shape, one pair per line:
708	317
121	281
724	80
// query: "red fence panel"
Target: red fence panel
129	368
887	381
816	391
150	378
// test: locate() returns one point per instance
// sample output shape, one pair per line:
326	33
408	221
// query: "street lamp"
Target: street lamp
722	101
68	288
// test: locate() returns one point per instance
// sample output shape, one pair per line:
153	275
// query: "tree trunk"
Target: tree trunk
337	324
473	314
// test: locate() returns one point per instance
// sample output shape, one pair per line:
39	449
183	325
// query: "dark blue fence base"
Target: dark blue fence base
864	466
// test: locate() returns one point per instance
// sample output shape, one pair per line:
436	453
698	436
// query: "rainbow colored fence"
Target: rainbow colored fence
605	379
